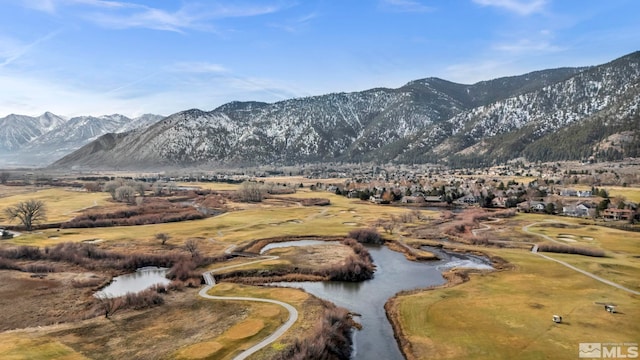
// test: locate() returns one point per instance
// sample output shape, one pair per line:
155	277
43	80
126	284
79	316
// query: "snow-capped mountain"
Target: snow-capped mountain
40	140
426	120
18	130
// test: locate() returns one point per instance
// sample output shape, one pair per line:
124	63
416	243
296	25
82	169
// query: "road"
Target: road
293	313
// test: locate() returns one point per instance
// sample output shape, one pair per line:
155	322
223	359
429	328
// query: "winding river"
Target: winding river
394	273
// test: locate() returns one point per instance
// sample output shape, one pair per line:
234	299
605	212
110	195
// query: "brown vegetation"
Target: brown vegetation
152	211
91	257
566	249
366	236
356	267
137	301
329	340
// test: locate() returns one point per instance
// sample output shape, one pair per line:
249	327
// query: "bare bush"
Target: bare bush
250	192
191	245
329	340
125	194
565	249
110	305
40	268
183	271
366	236
92	186
163	237
143	299
111	186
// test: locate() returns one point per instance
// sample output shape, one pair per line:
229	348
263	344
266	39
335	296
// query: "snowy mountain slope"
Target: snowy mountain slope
18	130
40	140
424	121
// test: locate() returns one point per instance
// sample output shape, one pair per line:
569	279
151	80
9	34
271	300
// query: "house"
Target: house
532	206
376	199
412	199
579	210
467	199
433	198
568	192
584	193
499	201
617	214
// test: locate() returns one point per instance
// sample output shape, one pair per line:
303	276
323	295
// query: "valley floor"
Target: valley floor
503	314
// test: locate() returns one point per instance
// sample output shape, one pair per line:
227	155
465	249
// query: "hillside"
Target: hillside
428	120
43	139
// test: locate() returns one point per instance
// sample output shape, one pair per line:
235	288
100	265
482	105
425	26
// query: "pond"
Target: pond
142	279
450	260
276	245
394	273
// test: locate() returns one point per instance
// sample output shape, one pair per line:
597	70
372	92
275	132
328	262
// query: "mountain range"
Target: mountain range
557	114
26	140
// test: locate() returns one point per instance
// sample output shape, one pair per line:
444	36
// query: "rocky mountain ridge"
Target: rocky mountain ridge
427	120
43	139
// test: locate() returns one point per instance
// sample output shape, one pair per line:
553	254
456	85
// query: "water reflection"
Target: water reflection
137	281
394	273
283	244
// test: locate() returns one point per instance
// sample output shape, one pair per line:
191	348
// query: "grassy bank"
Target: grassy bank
507	314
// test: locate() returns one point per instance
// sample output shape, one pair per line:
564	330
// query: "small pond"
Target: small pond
276	245
142	279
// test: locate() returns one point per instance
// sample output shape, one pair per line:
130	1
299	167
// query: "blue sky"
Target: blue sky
77	57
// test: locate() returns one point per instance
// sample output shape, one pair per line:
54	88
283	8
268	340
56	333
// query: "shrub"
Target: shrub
564	249
329	340
143	299
39	268
366	236
183	271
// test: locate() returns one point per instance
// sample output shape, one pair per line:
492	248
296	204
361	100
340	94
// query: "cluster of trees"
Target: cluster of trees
252	191
154	212
128	190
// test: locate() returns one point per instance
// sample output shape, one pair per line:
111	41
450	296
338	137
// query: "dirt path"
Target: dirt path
293	313
593	276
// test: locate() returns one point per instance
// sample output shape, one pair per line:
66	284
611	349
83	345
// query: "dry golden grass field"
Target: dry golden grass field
498	315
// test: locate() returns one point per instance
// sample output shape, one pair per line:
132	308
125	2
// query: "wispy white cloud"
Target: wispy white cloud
521	43
527	45
520	7
148	18
47	6
198	67
296	24
124	15
12	50
405	6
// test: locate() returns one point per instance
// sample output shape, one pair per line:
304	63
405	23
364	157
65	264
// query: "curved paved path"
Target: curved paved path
593	276
293	313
